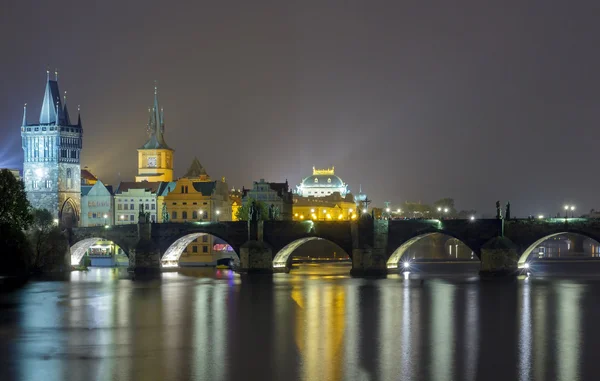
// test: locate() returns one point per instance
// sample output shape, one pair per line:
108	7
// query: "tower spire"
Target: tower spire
56	75
51	110
66	117
79	115
24	115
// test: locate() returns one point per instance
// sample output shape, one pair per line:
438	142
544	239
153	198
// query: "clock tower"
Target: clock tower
155	158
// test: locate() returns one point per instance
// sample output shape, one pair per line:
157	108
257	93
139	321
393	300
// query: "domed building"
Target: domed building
323	182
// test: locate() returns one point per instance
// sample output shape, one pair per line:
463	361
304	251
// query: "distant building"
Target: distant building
323	182
96	205
87	177
155	158
196	198
236	202
328	208
129	199
277	195
52	149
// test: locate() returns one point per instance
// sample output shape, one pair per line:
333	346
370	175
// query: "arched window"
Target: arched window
329	180
69	178
316	180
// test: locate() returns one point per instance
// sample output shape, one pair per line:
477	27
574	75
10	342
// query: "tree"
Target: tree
243	213
14	206
48	245
14	251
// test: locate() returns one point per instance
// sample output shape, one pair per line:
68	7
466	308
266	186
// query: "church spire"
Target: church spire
24	115
156	125
79	115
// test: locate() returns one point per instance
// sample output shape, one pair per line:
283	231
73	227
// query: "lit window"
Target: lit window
316	180
329	180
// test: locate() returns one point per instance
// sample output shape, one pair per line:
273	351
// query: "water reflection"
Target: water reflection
220	326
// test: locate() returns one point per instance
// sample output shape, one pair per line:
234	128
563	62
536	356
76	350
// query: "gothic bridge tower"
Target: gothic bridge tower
52	149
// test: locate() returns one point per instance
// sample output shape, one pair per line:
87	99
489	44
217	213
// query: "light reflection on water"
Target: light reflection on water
316	323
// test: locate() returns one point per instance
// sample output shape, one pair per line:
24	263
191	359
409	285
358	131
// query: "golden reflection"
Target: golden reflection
320	329
569	334
442	331
540	338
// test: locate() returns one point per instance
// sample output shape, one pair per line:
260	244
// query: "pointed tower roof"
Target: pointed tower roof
66	119
196	170
79	115
156	126
51	103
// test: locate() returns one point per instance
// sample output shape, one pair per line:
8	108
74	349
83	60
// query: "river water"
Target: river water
316	323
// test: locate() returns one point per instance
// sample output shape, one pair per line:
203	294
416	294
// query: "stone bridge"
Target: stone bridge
374	246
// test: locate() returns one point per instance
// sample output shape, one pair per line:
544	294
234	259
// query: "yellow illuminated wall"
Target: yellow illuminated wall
155	165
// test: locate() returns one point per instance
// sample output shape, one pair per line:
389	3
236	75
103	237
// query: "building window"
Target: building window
147	207
141	206
131	217
153	218
69	178
131	207
93	215
35	184
73	154
195	249
316	180
48	184
184	215
329	181
120	207
204	238
205	249
174	215
152	206
194	214
185	203
126	206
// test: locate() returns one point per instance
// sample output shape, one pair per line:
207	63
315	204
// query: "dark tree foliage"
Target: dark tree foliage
14	206
14	251
243	212
48	245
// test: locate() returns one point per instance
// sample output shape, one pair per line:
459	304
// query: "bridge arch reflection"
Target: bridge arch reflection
283	258
400	254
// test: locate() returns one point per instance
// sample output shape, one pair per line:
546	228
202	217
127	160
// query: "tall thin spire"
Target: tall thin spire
24	115
79	115
49	114
56	75
156	125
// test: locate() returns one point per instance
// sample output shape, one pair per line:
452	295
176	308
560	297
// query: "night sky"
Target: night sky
415	100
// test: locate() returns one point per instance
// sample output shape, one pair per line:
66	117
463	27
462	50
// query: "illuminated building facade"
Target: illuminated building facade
131	197
52	149
236	202
328	208
87	177
197	198
155	158
323	182
277	195
96	205
324	197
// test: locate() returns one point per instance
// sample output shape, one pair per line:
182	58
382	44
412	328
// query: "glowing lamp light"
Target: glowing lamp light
329	216
312	210
218	212
350	210
387	210
39	172
572	207
314	216
340	217
365	210
406	265
541	216
302	216
353	216
324	210
526	266
56	221
472	218
439	209
296	215
445	210
398	211
105	216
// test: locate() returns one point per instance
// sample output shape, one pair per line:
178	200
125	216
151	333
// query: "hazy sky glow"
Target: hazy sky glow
415	100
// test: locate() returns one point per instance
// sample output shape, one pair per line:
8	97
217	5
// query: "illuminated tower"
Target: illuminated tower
155	158
52	148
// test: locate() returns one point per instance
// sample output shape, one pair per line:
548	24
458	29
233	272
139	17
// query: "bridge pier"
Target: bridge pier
369	247
576	246
499	258
145	257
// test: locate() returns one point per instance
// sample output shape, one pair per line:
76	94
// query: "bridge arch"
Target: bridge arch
527	252
79	248
284	256
173	253
397	255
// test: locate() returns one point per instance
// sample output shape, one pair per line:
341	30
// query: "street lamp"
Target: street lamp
572	211
566	210
218	212
200	214
105	217
122	218
56	221
472	218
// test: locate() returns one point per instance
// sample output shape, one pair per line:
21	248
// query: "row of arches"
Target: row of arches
553	245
